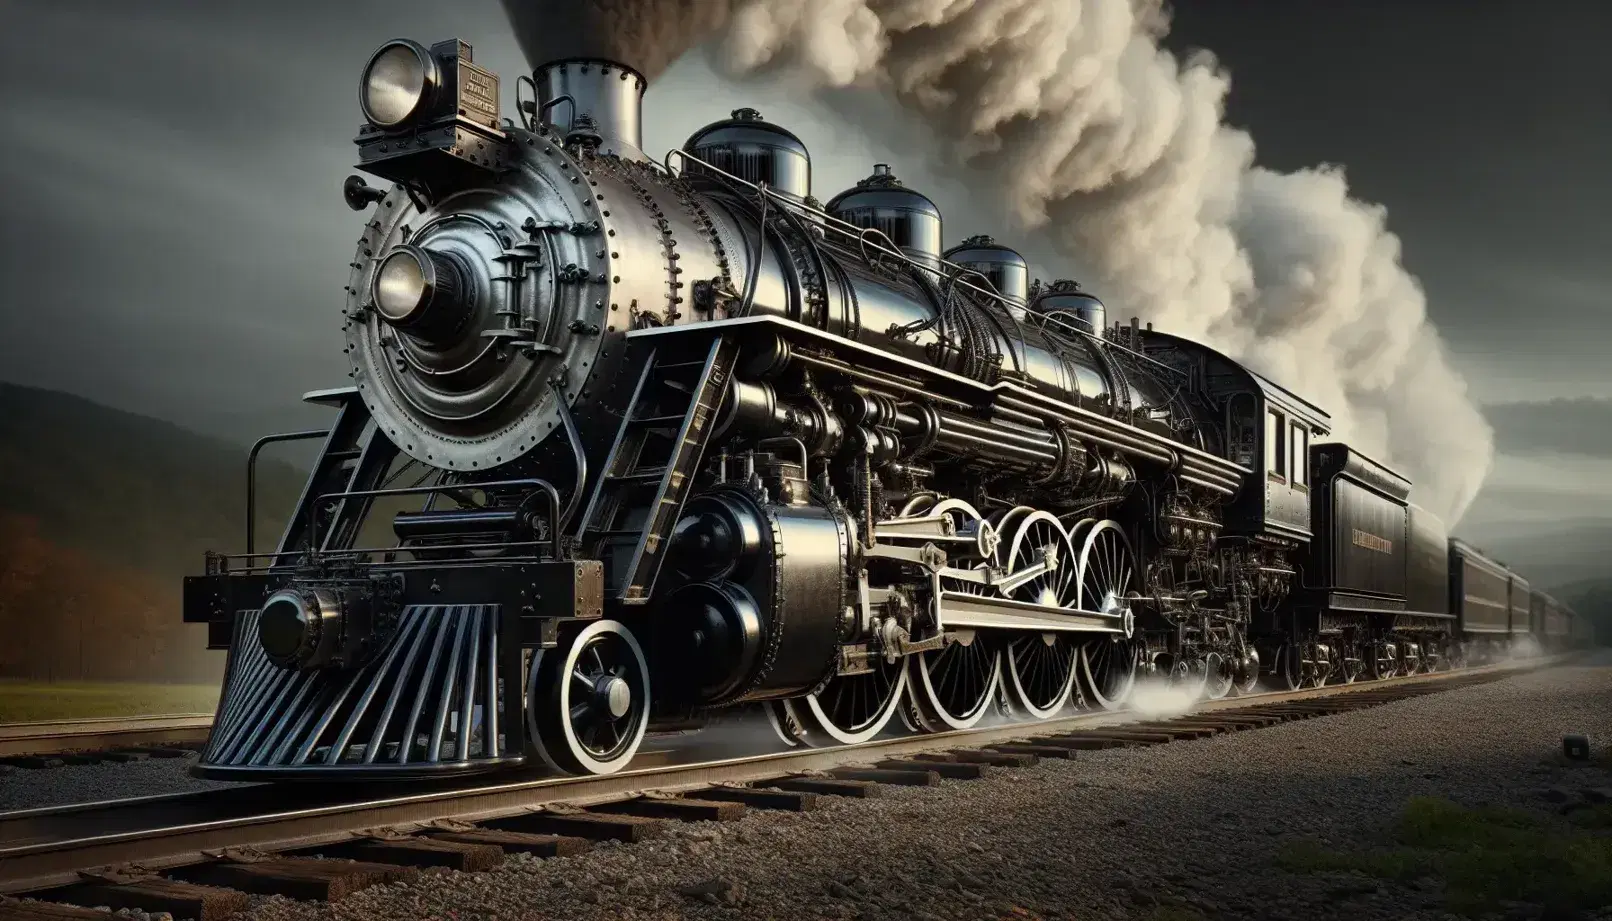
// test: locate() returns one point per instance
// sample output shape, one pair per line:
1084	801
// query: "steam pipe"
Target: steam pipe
993	451
455	523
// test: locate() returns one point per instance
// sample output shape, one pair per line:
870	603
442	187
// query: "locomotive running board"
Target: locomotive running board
414	710
960	609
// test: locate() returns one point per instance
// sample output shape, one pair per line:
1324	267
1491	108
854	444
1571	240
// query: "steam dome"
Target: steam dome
907	217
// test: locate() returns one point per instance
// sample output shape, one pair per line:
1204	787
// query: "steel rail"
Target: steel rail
42	848
49	737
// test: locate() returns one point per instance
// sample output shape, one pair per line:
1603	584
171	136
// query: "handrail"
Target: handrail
251	475
861	237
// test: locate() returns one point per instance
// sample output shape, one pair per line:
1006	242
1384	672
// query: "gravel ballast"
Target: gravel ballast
1181	831
32	788
1176	831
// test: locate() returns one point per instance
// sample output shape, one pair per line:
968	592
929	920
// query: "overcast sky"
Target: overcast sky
176	243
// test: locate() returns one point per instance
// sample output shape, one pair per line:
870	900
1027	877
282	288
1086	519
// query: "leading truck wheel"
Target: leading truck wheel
587	700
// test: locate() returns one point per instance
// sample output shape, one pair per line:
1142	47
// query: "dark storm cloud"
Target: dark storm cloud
1562	426
1484	128
177	242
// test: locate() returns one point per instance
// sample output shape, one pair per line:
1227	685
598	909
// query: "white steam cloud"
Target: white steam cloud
1114	152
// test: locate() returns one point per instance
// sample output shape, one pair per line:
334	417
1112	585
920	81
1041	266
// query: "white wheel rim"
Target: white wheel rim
778	718
623	751
1035	532
929	688
1290	666
1021	684
817	726
1218	676
1104	573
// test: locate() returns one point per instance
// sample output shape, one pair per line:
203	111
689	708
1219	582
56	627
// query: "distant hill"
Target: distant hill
101	515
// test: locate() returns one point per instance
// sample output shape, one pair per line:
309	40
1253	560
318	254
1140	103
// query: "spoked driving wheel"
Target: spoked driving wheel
1218	676
1041	672
953	687
1382	660
1041	666
588	700
1038	536
1302	665
849	710
1106	574
1348	664
1418	658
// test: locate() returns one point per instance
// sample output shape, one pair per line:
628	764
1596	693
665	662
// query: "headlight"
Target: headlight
402	287
300	628
399	80
422	293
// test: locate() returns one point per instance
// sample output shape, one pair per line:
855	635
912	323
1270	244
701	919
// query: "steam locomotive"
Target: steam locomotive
633	443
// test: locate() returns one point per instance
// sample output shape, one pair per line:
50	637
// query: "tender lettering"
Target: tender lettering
1370	541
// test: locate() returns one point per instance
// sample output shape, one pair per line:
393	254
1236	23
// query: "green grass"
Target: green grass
28	701
1484	856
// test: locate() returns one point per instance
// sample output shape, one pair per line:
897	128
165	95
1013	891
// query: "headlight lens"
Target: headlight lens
397	81
422	293
400	285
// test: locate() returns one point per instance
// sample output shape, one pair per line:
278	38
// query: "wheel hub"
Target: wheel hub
612	695
1115	606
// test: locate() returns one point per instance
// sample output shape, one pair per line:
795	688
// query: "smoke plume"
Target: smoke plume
1111	152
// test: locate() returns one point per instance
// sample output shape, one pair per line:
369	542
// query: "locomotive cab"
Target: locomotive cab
1268	430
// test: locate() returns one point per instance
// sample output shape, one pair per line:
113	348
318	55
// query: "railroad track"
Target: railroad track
54	743
198	855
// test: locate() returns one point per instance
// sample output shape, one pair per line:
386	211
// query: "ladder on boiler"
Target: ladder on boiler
656	454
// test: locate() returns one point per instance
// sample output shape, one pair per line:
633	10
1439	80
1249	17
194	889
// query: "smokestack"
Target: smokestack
590	95
571	49
602	54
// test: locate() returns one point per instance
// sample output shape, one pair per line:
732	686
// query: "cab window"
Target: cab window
1275	444
1299	465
